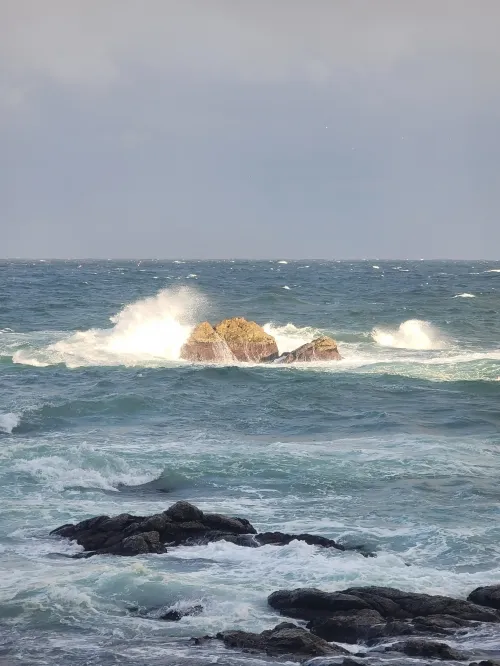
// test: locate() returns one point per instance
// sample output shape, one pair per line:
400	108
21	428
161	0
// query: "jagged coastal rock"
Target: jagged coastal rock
181	524
240	340
206	345
247	340
285	640
364	615
320	349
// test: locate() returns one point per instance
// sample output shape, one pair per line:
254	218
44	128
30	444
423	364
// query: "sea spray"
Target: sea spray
289	337
148	331
8	422
411	334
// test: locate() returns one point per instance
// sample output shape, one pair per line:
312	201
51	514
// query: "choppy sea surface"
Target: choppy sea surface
397	446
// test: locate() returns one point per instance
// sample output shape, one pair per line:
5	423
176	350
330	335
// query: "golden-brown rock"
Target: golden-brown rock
247	340
205	345
320	349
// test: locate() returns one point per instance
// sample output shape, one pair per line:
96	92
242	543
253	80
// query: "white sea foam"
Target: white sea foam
282	262
290	337
411	334
286	287
376	267
149	331
493	270
83	471
8	422
464	295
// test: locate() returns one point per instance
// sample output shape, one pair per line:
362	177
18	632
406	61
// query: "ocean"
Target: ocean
396	447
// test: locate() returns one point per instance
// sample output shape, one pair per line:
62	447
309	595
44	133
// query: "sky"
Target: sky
250	129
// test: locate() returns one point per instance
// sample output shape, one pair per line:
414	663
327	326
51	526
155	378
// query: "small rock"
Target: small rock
431	649
285	640
184	512
320	349
486	596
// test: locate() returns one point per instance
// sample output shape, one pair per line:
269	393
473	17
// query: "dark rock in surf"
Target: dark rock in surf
320	349
429	649
486	596
281	539
390	603
247	340
169	615
205	345
180	524
125	534
285	640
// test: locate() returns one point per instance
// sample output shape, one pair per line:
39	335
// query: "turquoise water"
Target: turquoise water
396	446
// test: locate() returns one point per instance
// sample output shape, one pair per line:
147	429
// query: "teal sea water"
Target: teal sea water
397	446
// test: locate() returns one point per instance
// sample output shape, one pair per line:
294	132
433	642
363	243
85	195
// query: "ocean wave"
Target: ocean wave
148	331
290	337
411	334
85	469
8	422
464	295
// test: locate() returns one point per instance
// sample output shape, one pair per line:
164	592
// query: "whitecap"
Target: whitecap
282	262
376	267
464	295
8	422
286	287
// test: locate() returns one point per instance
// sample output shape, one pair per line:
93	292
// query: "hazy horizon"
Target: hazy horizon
285	130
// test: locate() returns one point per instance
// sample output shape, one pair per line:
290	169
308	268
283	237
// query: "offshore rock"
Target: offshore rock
205	345
181	524
247	340
320	349
285	640
486	596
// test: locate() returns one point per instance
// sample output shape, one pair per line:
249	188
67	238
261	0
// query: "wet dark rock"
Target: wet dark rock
348	627
430	649
181	524
441	624
167	614
485	662
390	603
486	596
285	640
174	615
281	539
183	512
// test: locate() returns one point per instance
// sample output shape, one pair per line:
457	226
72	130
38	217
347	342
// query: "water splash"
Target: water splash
411	334
8	422
148	331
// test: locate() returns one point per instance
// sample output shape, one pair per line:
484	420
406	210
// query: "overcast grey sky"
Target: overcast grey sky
250	128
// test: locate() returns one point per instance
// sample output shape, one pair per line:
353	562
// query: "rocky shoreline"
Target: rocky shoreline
415	625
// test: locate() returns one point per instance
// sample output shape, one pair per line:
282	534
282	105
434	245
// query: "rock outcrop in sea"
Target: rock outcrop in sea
320	349
181	524
205	345
240	340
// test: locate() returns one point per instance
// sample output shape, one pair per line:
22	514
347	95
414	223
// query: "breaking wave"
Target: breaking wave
464	295
8	422
289	337
145	332
411	334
